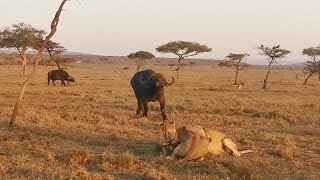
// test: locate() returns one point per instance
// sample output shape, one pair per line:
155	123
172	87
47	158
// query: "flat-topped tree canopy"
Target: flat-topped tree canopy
183	49
312	52
273	53
21	37
237	57
141	57
54	47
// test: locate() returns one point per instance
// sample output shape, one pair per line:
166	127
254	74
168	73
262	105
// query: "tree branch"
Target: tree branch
194	54
54	24
20	53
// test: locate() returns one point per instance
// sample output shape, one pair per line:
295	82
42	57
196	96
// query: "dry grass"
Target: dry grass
90	131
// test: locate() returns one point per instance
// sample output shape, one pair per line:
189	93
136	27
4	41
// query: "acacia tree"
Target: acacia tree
311	66
141	57
55	49
21	37
234	60
273	54
54	25
183	49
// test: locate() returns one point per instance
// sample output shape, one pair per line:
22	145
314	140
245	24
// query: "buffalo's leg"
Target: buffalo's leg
63	83
145	108
53	82
162	108
140	107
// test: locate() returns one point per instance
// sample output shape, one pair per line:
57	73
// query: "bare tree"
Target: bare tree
234	60
183	49
273	54
54	25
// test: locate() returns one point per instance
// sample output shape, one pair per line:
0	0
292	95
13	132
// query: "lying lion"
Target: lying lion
191	146
218	142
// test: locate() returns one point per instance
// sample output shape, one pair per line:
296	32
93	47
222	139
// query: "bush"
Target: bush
76	157
124	160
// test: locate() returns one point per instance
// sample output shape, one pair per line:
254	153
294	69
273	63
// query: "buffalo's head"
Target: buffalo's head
156	81
71	79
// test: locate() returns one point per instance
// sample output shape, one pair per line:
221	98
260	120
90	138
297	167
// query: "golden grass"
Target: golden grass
90	131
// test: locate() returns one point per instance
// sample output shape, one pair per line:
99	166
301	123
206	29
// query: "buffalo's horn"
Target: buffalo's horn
169	84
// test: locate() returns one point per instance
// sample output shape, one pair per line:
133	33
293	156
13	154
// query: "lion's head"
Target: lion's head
168	130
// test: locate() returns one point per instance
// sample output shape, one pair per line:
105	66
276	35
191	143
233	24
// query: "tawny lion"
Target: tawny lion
218	144
192	146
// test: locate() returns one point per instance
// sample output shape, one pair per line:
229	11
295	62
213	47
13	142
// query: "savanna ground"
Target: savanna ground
89	130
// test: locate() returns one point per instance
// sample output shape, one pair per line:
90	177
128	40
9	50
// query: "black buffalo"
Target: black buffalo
59	75
149	86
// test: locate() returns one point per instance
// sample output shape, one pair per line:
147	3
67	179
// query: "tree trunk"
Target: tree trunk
179	66
319	77
139	66
237	72
306	79
54	25
54	60
265	81
24	68
23	54
236	78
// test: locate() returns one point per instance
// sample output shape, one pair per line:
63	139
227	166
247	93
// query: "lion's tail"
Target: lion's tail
246	151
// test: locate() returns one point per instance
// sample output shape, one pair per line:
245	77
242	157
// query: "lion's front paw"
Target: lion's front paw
237	154
170	158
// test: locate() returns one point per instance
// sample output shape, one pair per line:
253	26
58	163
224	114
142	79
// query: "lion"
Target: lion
192	146
218	144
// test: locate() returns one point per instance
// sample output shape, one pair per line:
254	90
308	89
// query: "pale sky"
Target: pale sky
119	27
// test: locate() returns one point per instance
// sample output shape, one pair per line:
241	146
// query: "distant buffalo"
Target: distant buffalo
149	86
59	75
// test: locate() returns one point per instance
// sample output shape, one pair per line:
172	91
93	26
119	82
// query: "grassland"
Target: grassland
89	130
